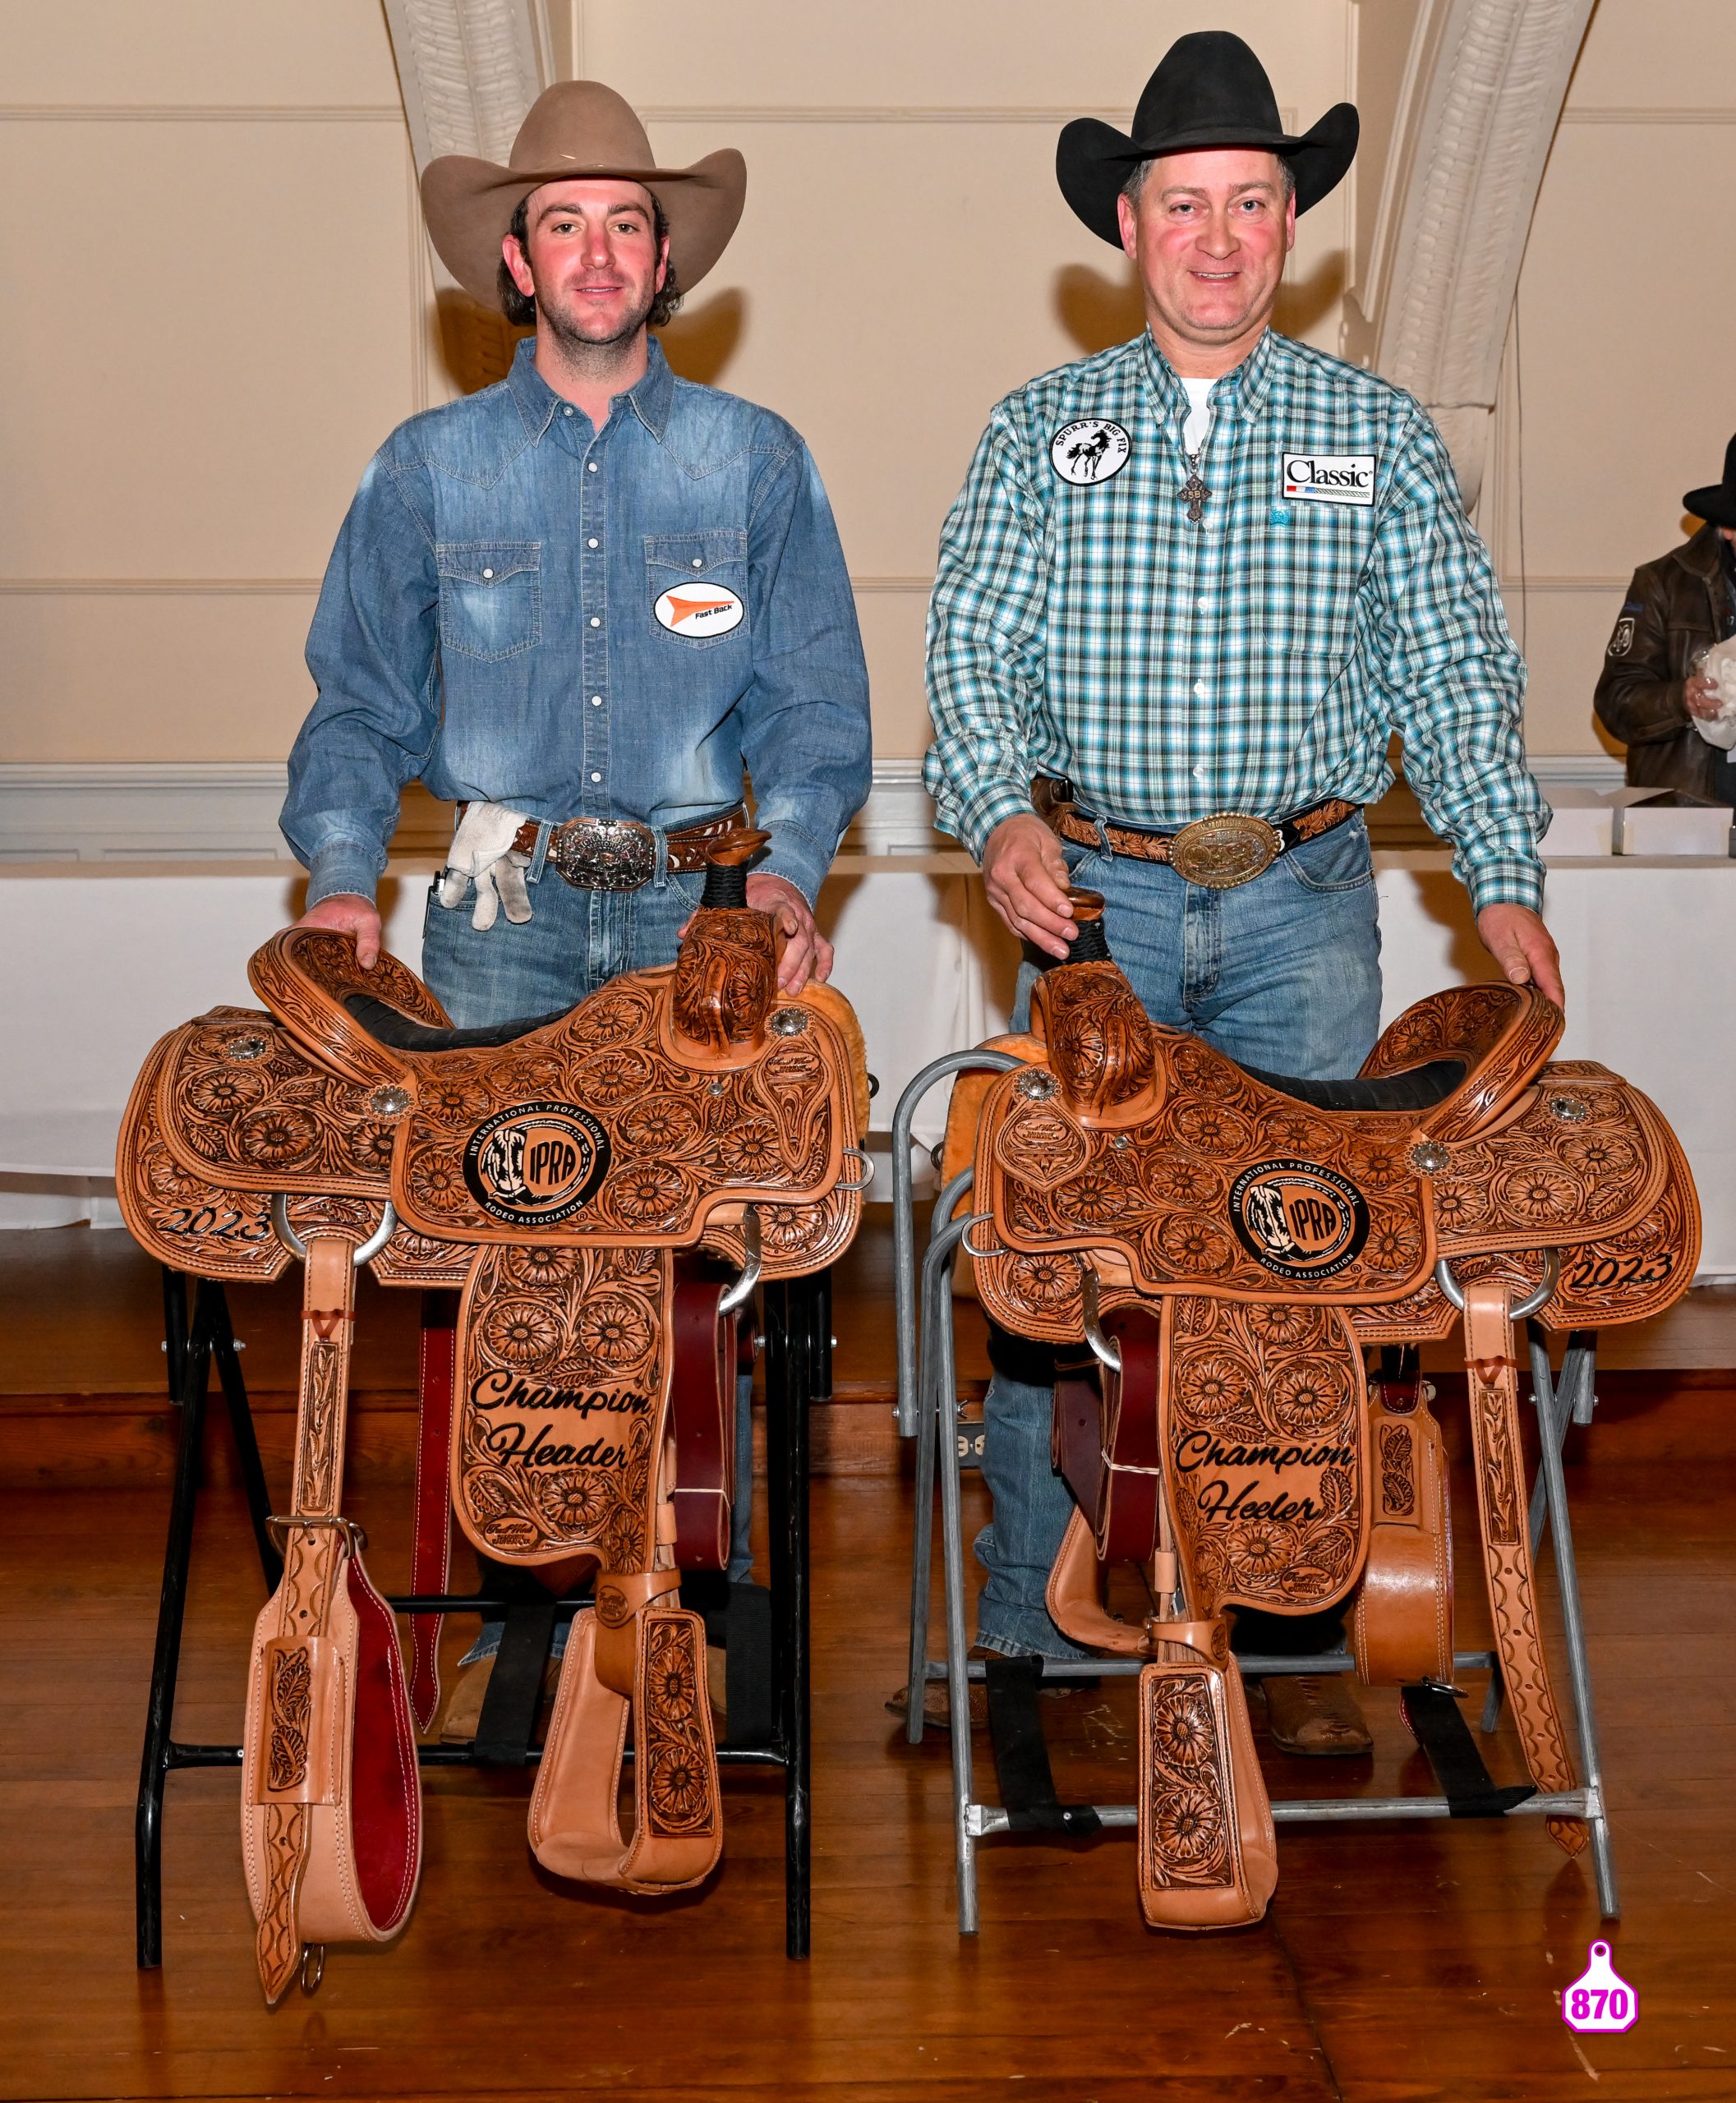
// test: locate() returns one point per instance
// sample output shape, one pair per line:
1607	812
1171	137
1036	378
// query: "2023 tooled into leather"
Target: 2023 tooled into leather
590	1183
1229	1242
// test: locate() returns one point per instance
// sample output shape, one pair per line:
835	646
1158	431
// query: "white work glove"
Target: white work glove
1718	669
482	853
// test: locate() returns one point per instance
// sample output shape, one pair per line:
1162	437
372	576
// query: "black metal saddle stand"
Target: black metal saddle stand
797	1322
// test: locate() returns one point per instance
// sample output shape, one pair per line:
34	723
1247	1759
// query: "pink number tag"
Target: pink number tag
1600	1999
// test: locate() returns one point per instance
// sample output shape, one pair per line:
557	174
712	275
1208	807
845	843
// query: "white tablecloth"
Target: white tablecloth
98	965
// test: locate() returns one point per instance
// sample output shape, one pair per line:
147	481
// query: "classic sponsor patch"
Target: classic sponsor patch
536	1163
1093	450
1298	1219
1622	641
700	610
1328	477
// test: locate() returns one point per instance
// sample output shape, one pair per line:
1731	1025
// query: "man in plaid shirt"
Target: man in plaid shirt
1205	576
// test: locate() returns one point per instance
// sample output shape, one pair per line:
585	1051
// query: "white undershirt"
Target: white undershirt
1198	415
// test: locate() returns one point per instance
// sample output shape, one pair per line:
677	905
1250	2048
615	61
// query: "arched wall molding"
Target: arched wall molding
1441	236
469	69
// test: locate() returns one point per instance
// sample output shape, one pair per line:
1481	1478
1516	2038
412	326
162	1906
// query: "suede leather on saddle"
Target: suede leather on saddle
585	1179
1229	1241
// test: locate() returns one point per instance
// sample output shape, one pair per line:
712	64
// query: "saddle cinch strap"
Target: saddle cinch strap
331	1804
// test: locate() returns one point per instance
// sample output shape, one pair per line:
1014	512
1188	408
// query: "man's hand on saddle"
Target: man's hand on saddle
347	915
807	953
1520	943
1025	874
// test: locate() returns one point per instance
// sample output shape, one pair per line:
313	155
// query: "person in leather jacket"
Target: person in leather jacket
1648	694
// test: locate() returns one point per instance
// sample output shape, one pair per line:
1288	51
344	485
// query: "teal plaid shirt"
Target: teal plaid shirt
1256	660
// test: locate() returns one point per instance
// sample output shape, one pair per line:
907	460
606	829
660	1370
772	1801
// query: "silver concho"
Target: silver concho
789	1022
1036	1088
389	1101
1430	1158
246	1048
1570	1109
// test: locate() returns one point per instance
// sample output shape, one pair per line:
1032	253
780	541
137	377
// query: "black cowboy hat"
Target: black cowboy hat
1210	89
1716	503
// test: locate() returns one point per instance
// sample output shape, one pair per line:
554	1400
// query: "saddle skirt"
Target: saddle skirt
590	1182
1232	1240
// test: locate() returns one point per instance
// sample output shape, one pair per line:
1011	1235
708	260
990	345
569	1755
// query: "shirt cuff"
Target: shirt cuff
345	867
1508	881
975	818
798	858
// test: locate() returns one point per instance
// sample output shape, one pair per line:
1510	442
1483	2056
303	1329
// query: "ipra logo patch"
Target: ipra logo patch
538	1163
1297	1219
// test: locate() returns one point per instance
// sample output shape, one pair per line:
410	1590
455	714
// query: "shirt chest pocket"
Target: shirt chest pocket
1306	583
490	596
695	586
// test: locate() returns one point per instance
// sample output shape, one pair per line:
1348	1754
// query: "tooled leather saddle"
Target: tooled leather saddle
1228	1242
585	1180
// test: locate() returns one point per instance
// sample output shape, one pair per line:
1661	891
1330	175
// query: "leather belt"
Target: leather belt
621	853
1228	848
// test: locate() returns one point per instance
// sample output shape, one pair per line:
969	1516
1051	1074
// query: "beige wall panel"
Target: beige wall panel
1638	53
887	350
203	403
1625	327
138	677
1565	633
269	52
978	53
892	625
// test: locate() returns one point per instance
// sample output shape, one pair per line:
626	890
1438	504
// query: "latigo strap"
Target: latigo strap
1493	1383
331	1825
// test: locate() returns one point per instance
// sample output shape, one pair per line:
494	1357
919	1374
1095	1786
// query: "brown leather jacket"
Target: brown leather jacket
1674	605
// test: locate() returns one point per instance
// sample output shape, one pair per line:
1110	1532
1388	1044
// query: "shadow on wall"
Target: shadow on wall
1100	309
476	344
701	341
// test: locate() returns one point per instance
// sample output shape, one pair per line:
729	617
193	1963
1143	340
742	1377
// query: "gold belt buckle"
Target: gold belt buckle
1228	848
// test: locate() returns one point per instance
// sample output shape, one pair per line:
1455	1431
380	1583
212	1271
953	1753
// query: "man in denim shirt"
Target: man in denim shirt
593	593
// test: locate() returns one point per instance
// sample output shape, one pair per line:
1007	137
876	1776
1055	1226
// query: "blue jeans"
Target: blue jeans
1282	973
573	942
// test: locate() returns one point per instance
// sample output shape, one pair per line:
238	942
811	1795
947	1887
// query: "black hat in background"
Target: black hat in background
1716	503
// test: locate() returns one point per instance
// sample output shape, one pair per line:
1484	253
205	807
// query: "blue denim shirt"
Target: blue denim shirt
489	623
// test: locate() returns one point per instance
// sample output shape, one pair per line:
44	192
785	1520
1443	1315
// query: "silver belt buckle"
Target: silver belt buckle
604	853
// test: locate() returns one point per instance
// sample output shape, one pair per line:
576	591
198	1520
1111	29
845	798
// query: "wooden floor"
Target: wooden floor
1418	1961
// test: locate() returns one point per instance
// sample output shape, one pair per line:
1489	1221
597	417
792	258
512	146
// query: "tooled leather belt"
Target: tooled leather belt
621	853
1228	848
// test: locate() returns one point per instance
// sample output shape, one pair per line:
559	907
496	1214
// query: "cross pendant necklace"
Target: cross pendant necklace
1193	493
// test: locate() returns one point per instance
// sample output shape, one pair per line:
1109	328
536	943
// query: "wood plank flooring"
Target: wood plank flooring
1416	1962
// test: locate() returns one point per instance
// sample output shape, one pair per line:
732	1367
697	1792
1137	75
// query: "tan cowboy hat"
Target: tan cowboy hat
577	128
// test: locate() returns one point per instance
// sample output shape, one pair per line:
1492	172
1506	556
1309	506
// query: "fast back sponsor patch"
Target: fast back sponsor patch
1328	478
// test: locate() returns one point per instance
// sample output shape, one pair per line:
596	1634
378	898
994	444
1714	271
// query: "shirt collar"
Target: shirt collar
1243	388
538	402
